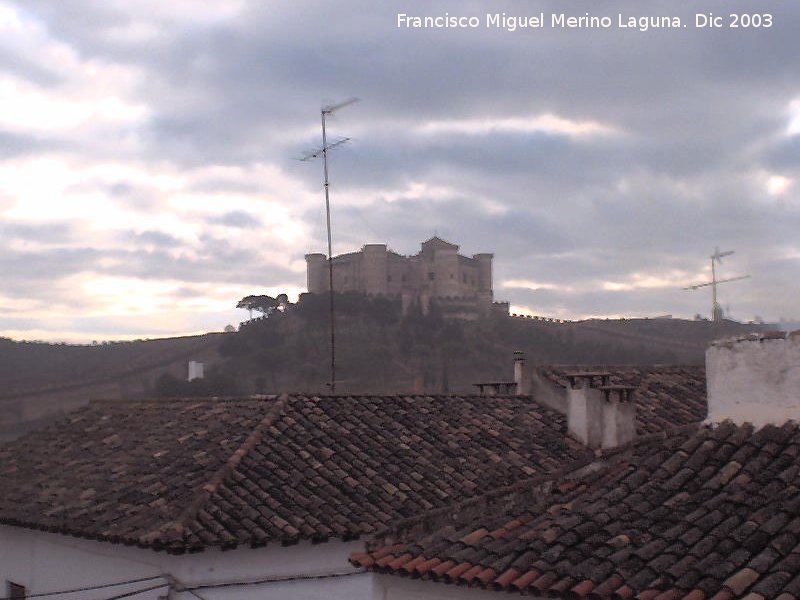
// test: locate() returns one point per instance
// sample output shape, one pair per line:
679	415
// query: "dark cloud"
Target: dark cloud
236	219
131	195
14	145
43	232
12	61
43	274
157	239
698	122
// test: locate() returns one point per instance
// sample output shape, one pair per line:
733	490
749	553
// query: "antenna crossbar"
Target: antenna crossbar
716	309
319	151
706	284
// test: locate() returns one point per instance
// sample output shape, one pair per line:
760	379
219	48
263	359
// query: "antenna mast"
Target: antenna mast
324	112
716	309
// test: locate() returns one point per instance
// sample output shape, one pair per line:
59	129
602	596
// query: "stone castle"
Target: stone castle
461	286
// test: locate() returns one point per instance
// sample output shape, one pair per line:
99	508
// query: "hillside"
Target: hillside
378	351
40	381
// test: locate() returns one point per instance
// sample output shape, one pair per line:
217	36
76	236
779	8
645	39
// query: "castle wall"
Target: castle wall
347	273
468	275
374	272
397	274
437	271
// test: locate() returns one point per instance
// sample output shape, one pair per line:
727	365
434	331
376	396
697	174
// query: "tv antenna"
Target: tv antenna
716	309
325	112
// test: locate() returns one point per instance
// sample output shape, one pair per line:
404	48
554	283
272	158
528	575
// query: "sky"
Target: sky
149	175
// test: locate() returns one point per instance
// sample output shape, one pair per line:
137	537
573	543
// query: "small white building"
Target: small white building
42	562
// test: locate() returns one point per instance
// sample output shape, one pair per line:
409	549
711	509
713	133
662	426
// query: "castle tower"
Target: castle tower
445	266
439	266
484	262
317	277
374	269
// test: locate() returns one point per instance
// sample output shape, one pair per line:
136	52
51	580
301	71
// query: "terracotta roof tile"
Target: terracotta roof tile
471	573
385	561
504	581
184	475
411	565
581	590
613	537
624	592
457	571
524	580
442	568
486	576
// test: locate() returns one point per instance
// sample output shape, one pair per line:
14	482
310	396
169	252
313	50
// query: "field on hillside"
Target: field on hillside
378	351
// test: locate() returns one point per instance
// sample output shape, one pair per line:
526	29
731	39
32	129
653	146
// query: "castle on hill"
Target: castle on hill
461	286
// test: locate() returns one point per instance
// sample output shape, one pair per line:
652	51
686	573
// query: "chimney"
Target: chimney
619	415
521	374
195	370
585	412
754	379
600	415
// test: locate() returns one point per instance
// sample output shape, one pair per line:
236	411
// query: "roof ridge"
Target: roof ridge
186	399
451	395
176	528
679	365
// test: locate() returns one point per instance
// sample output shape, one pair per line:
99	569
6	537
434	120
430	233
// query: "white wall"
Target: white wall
45	562
754	380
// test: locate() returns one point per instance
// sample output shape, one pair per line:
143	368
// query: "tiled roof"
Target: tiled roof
183	475
710	515
666	395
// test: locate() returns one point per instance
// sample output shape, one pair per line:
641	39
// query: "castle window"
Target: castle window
431	275
451	276
389	278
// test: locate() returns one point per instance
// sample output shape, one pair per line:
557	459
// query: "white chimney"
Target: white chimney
585	414
521	375
600	415
754	379
195	370
619	415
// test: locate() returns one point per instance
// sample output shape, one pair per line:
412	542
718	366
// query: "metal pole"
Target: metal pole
330	252
713	291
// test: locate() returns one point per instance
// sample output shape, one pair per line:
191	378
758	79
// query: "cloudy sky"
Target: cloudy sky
148	177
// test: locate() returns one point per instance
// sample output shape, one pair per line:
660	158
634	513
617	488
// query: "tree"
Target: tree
263	304
283	301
